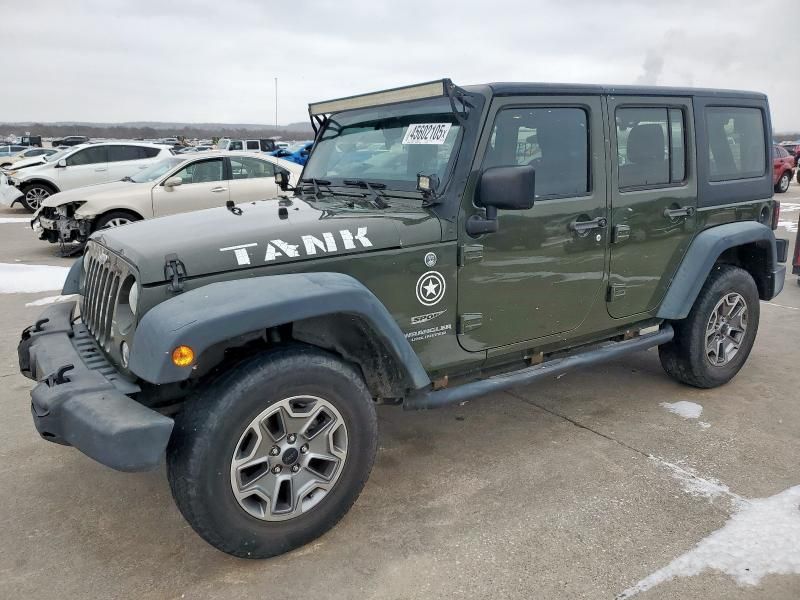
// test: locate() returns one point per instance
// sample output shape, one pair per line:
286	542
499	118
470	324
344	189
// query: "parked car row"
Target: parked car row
170	185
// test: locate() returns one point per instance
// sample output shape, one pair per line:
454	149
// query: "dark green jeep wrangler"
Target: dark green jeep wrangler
444	243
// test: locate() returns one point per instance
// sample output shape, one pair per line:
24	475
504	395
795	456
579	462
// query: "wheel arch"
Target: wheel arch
746	244
331	311
40	180
119	209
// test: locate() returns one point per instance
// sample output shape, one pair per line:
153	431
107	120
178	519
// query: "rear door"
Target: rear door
125	160
653	198
251	179
204	186
539	273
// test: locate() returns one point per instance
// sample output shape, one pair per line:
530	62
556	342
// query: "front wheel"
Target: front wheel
712	344
115	218
34	194
783	183
274	453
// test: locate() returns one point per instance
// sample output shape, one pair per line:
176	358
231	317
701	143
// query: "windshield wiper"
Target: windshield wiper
317	183
374	187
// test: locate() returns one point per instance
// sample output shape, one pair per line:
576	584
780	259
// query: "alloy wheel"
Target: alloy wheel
35	196
289	458
726	329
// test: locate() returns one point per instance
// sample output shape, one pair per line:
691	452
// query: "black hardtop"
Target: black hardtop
567	89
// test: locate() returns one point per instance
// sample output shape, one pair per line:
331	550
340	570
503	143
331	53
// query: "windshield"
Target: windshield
388	145
156	170
57	156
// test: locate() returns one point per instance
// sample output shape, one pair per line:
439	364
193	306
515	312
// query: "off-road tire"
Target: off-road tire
783	183
209	427
111	219
31	188
684	358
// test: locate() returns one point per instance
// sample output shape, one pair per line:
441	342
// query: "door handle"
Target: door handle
677	213
101	169
580	227
219	189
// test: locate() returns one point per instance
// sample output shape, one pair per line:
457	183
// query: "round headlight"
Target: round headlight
133	297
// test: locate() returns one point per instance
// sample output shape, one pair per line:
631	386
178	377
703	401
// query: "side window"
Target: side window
89	156
735	142
251	168
555	141
203	171
147	152
651	147
234	145
253	145
123	153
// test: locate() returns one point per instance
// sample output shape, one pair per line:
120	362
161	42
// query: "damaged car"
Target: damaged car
173	185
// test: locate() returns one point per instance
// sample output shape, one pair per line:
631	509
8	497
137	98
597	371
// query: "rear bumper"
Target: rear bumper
82	401
8	193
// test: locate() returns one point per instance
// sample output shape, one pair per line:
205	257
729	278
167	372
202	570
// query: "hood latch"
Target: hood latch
174	272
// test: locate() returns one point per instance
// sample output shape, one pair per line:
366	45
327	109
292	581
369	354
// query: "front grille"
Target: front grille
101	287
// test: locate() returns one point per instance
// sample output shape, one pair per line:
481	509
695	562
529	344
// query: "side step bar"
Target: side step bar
552	368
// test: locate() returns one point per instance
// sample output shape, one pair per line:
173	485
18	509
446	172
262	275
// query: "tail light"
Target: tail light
776	214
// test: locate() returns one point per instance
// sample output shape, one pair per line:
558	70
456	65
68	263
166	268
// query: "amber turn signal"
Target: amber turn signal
182	356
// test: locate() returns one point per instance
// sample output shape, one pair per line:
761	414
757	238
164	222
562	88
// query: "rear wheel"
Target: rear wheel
712	344
274	453
783	183
33	194
115	218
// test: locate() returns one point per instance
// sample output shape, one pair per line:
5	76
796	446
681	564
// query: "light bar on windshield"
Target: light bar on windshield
431	89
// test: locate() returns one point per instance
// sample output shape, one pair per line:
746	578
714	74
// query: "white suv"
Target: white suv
82	165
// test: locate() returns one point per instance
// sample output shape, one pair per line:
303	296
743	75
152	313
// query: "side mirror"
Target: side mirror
507	188
173	182
282	180
61	164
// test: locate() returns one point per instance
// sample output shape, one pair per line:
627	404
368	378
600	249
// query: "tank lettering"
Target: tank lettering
311	245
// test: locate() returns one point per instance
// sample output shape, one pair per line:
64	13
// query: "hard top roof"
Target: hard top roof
513	88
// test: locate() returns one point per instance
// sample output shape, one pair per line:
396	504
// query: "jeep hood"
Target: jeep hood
218	240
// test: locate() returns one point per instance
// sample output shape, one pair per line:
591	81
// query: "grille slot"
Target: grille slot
101	288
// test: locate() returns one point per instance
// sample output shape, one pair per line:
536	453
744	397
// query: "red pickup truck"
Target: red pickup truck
783	165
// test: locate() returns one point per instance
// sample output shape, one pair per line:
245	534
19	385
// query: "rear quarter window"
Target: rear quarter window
736	147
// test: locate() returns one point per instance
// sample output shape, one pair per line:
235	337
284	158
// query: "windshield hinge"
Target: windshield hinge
174	272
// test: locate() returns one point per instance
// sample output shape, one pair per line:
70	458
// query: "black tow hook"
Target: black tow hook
59	377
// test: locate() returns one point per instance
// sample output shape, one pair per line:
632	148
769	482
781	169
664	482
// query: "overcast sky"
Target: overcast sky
215	61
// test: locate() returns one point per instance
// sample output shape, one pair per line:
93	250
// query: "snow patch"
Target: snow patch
703	424
687	410
698	486
50	300
21	278
788	225
7	220
789	206
760	539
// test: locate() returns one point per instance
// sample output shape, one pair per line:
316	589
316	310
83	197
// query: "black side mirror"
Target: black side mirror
282	179
509	188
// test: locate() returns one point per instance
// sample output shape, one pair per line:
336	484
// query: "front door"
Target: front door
653	198
542	270
85	167
204	185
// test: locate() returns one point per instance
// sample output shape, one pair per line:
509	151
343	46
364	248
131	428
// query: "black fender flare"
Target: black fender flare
72	284
702	255
217	312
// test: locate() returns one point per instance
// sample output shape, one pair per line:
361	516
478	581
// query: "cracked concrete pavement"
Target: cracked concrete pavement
556	490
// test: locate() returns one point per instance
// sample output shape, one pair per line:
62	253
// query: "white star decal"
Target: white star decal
430	288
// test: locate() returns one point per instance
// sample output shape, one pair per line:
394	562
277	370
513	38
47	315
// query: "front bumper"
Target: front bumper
8	193
81	400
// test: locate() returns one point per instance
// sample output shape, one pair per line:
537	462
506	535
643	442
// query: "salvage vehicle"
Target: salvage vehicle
260	145
443	243
782	169
33	152
70	140
172	185
86	164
